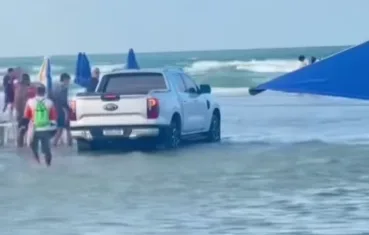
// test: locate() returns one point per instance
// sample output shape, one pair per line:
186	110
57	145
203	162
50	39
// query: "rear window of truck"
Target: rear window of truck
132	83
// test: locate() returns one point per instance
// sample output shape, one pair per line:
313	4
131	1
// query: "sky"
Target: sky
54	27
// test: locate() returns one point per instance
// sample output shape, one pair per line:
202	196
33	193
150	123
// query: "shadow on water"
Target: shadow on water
120	150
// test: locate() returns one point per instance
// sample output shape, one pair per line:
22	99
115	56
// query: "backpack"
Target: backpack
42	118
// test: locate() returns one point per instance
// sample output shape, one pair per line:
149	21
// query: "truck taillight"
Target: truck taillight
72	114
110	97
152	108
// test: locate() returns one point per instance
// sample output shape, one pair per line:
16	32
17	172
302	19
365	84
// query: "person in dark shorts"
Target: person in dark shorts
8	89
60	98
41	112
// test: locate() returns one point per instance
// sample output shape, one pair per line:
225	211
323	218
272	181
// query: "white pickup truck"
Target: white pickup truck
156	106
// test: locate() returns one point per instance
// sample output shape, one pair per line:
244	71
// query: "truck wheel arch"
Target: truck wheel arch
216	112
176	116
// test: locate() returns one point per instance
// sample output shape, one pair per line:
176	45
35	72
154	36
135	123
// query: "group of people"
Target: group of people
41	115
304	61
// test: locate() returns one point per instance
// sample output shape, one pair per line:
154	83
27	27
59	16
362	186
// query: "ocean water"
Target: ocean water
287	164
222	69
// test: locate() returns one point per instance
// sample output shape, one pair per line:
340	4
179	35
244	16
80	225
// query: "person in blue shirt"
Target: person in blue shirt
60	99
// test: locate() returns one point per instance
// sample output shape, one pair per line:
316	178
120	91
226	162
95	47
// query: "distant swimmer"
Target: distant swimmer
302	61
313	60
41	112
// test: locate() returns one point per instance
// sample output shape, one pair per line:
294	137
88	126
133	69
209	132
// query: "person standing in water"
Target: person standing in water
8	89
302	60
94	80
40	111
313	60
60	98
22	94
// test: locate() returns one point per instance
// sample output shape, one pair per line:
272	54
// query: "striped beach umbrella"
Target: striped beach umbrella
44	76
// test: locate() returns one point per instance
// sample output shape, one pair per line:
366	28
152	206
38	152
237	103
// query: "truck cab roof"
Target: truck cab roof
146	70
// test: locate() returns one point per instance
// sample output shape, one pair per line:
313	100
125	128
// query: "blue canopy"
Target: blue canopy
345	74
131	60
83	71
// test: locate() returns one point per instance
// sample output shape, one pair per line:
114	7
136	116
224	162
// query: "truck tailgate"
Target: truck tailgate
95	111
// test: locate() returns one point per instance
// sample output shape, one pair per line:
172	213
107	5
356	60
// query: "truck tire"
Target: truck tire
214	133
83	146
171	137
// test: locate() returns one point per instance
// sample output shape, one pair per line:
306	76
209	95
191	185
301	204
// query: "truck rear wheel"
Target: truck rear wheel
171	137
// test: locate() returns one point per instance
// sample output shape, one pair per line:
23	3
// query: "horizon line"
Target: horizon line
179	51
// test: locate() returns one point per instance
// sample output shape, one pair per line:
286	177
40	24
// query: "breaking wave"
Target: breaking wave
256	66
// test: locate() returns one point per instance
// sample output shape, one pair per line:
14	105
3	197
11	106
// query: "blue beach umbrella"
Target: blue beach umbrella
78	69
83	71
84	78
86	68
131	60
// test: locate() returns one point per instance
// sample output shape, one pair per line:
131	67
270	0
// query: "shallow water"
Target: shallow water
287	165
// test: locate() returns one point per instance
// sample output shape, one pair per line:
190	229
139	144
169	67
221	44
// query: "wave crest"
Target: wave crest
305	139
256	66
